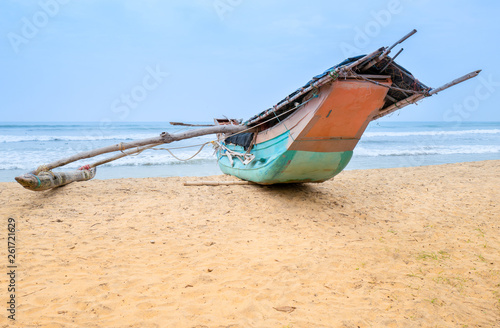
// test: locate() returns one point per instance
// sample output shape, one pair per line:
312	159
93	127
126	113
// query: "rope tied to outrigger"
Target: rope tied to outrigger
187	159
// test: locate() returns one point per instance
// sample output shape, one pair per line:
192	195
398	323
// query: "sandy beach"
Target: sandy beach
405	247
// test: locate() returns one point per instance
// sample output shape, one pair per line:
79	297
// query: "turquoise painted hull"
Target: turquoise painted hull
273	163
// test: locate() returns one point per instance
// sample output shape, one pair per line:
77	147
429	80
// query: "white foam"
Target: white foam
429	133
427	150
89	137
29	160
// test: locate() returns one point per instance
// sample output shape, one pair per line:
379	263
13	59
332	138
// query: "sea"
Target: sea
26	145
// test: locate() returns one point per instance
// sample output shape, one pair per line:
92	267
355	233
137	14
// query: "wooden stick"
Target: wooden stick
216	183
388	50
413	99
454	82
363	59
392	59
398	42
400	104
122	154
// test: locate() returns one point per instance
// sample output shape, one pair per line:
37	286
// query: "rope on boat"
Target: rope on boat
41	168
289	133
426	92
245	158
187	159
136	153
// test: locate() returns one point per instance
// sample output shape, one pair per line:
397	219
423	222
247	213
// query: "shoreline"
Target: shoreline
211	168
397	247
383	145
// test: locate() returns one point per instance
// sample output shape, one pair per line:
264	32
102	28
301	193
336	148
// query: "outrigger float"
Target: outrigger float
307	137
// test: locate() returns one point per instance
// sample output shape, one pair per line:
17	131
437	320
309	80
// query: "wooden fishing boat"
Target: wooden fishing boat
310	135
307	137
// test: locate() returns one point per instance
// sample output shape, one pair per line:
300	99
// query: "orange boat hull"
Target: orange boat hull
316	142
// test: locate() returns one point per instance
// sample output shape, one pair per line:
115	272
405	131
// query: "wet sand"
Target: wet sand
405	247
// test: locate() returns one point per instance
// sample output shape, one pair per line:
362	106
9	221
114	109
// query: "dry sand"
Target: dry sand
406	247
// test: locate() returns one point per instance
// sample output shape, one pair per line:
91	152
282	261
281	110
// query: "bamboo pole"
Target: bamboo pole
392	59
455	82
388	50
400	104
363	59
397	42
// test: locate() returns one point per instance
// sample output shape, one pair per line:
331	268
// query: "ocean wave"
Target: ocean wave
29	160
423	151
95	125
36	126
195	161
10	138
90	137
428	133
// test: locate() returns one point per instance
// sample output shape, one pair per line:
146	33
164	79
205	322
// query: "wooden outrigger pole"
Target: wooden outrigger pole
417	97
43	178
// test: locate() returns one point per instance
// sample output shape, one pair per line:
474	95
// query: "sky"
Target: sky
182	60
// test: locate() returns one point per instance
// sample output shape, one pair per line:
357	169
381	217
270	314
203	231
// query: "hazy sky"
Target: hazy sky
152	60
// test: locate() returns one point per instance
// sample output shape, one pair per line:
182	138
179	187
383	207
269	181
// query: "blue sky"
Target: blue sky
152	60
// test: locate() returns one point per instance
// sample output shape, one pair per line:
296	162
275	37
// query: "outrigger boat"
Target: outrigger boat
307	137
310	135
